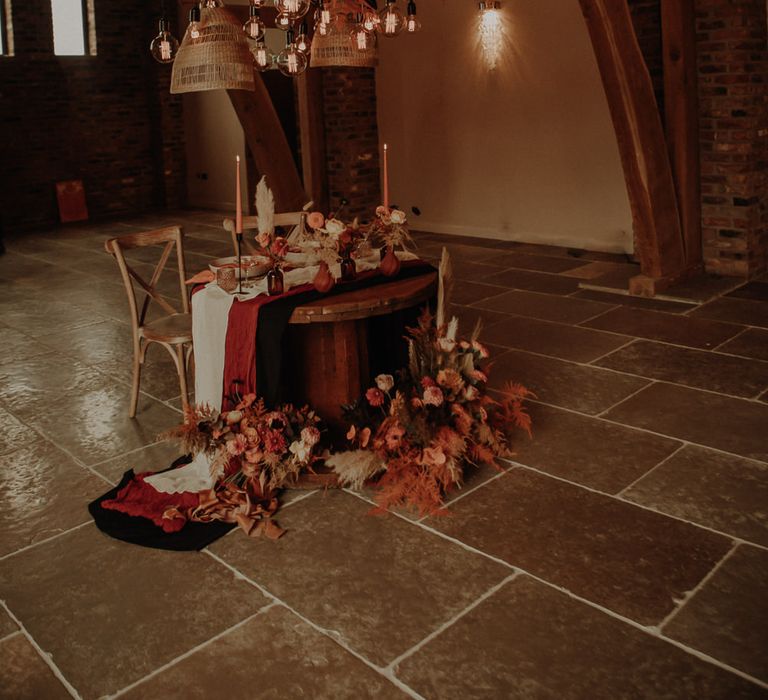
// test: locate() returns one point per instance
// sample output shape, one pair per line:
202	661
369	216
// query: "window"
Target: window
72	35
6	30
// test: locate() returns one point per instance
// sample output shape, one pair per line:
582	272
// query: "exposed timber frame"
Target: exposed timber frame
666	255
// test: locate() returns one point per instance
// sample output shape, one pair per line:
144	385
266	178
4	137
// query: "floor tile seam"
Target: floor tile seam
126	453
686	386
728	340
580	324
181	657
650	631
594	360
689	595
580	363
61	448
536	272
11	635
45	656
727	535
640	429
707	351
46	540
441	535
392	666
649	383
472	490
329	634
544	320
620	494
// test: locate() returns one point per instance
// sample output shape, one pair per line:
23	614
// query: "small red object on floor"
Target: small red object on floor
71	197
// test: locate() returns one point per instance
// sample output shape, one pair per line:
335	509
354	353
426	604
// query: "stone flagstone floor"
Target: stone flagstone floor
622	553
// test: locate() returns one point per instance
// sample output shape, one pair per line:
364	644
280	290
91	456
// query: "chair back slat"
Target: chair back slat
297	219
171	237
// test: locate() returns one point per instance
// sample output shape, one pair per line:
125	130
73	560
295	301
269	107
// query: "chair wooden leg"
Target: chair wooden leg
181	368
137	360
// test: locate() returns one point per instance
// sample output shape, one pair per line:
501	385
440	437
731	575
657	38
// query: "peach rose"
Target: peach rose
315	220
433	396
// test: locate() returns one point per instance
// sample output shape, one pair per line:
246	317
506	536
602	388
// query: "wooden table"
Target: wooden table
329	341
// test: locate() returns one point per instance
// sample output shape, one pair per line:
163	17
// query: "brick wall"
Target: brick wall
733	96
352	140
106	119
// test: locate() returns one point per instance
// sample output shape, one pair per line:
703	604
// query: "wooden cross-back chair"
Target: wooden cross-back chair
297	220
173	330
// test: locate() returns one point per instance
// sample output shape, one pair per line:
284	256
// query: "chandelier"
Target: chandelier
217	52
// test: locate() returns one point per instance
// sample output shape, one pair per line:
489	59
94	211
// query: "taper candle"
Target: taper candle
385	201
238	200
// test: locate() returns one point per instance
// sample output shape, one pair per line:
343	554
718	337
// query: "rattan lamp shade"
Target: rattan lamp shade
335	48
219	59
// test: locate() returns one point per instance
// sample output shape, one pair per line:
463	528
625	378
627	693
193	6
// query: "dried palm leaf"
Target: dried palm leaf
265	207
445	286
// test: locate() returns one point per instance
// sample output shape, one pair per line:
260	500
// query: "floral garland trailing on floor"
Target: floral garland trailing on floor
429	425
412	436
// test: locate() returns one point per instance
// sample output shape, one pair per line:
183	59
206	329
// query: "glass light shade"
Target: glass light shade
164	46
412	24
295	9
291	61
254	28
392	20
262	57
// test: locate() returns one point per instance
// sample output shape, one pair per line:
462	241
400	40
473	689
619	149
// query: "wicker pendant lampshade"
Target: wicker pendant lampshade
336	48
218	59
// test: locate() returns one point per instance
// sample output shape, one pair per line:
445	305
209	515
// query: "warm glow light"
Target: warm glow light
491	34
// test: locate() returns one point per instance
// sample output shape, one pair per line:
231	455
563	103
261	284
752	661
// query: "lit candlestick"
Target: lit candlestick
386	179
238	201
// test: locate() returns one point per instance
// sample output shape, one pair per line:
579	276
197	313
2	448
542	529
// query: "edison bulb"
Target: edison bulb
291	61
262	57
194	23
325	14
392	20
295	9
164	46
254	28
412	24
361	39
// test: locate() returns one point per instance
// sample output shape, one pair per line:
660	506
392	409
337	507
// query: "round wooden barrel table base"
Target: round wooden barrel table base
330	367
328	344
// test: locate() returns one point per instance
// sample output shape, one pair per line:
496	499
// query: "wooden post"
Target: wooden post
681	117
642	146
266	140
309	88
